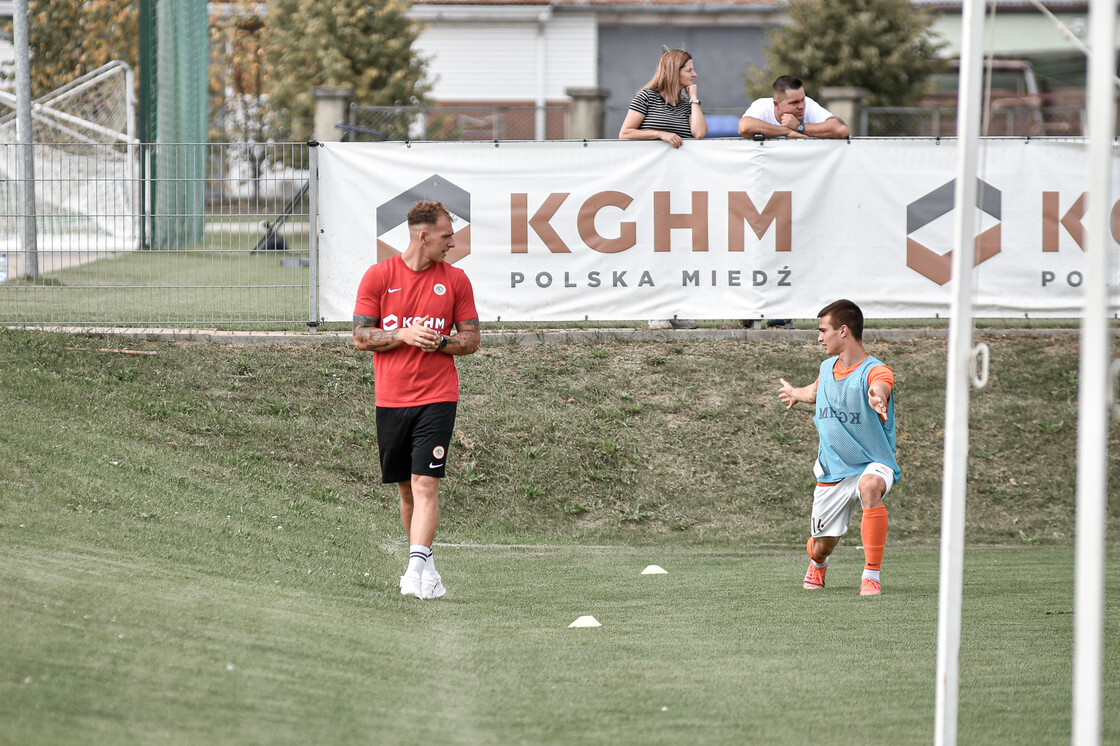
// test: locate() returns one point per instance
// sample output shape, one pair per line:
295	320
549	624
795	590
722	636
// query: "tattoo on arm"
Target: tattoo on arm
369	336
466	338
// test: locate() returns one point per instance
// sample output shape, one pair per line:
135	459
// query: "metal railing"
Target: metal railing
454	123
175	235
1061	121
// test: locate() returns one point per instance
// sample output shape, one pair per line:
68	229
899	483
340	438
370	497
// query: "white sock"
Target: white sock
819	564
418	556
873	574
430	563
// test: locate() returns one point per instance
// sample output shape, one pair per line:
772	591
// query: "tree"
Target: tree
239	113
237	107
881	45
363	45
68	39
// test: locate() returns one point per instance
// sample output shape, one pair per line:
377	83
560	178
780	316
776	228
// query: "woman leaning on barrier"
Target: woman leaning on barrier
667	108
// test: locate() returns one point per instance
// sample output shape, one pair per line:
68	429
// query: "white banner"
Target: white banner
724	229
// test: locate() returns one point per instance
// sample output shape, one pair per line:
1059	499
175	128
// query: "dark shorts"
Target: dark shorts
414	440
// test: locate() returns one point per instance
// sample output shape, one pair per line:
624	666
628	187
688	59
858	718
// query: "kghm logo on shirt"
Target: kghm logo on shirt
845	418
392	321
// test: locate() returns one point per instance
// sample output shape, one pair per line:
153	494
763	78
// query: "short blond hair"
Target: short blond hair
427	212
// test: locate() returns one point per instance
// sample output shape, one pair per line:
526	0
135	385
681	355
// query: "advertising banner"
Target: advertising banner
724	229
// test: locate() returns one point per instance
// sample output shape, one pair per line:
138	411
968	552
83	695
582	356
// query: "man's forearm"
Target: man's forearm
466	340
749	126
369	336
373	339
833	127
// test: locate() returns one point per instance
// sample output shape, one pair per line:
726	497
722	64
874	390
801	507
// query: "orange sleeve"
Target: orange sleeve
881	374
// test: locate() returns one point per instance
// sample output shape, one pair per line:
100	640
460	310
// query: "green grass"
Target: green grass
194	546
220	283
120	647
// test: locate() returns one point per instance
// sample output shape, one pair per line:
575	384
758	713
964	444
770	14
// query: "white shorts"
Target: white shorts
835	504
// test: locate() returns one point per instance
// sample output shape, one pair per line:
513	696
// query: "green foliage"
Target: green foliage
69	39
238	108
361	45
881	45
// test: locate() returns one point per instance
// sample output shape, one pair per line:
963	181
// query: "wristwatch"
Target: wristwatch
442	342
800	126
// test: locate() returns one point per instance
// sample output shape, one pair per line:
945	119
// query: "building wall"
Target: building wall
494	53
7	50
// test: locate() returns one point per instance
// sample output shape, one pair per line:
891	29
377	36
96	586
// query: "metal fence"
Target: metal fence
159	235
515	122
223	235
1062	121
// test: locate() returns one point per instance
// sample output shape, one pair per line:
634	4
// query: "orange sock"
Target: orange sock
873	531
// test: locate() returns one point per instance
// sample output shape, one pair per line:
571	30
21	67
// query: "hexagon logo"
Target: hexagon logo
392	214
939	202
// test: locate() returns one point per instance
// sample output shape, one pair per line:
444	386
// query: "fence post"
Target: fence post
845	102
586	115
313	236
331	103
29	259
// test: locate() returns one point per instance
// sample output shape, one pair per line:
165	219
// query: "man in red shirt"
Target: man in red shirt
404	307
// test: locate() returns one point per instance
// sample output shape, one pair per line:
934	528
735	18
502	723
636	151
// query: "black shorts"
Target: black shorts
414	440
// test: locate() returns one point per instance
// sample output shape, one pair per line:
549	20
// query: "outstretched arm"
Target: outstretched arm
878	394
791	395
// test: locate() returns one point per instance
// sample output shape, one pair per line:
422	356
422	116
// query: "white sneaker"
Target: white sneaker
410	586
431	586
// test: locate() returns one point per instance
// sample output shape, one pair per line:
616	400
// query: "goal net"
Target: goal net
85	159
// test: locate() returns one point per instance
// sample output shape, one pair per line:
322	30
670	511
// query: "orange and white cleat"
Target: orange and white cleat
814	577
870	587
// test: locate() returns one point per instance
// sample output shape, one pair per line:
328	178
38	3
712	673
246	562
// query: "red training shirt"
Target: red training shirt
406	376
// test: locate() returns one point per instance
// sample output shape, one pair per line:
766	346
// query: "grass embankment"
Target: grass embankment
601	441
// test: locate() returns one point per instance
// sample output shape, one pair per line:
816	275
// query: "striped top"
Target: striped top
659	115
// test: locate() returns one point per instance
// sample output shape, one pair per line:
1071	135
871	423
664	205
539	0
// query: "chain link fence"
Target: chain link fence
456	123
1060	121
145	247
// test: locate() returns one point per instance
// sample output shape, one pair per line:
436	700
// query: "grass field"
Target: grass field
194	547
105	647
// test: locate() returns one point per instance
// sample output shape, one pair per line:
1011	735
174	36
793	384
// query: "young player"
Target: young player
854	415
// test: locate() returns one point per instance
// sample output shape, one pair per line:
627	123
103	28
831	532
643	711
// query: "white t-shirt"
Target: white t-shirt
763	108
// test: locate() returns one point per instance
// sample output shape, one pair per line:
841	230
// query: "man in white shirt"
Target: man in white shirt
790	113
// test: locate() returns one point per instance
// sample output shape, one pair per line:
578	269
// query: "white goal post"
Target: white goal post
86	166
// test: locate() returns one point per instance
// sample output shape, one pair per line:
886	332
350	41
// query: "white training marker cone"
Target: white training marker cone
585	621
655	570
